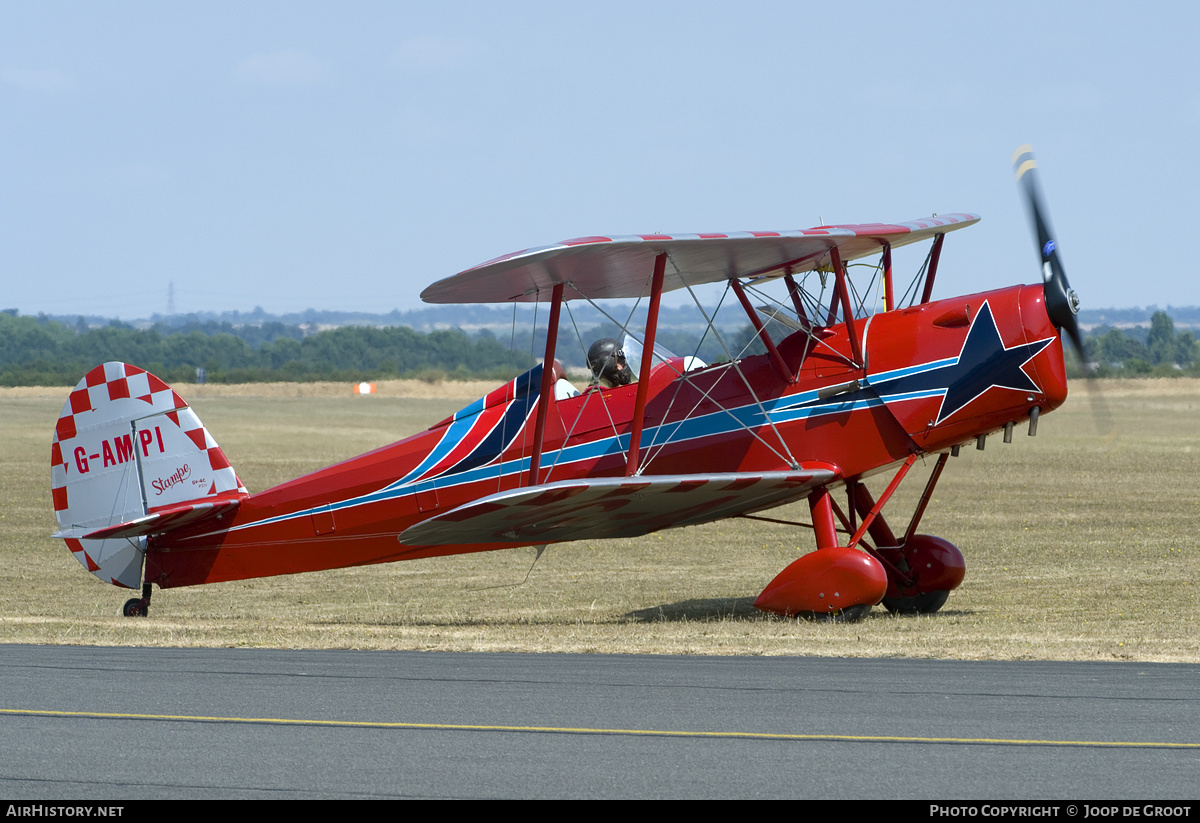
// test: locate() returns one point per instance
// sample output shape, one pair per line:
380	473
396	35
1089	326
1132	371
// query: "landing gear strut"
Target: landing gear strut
922	570
841	582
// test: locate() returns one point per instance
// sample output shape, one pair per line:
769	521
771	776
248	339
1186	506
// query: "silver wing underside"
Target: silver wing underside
613	507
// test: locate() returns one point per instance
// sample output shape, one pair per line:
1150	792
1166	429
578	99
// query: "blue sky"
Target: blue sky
293	155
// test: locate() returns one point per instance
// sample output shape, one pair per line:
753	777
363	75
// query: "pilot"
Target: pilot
606	359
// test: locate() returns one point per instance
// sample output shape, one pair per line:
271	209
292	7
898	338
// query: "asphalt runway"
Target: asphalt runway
126	723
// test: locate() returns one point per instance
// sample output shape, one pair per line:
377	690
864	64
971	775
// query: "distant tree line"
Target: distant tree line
38	351
1157	351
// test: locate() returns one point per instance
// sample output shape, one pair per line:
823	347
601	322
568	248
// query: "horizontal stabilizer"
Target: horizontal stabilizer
169	519
614	506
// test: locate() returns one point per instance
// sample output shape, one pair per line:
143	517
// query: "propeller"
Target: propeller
1062	304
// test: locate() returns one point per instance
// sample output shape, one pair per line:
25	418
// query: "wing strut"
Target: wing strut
643	389
547	390
776	357
797	302
935	255
889	294
843	291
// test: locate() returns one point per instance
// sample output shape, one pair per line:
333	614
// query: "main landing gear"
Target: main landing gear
840	583
138	606
924	572
926	603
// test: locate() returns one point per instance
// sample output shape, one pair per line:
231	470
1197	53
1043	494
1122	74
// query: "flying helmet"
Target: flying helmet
606	359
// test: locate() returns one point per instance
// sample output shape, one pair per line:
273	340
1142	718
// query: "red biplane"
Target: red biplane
144	495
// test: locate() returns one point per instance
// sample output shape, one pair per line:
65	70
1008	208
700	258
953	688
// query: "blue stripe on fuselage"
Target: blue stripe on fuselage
479	465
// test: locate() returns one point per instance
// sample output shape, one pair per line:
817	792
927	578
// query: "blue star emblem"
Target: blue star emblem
984	363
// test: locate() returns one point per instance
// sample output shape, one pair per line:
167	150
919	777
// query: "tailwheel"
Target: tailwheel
135	607
138	606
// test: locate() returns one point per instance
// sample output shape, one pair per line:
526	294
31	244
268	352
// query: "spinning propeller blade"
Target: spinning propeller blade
1062	304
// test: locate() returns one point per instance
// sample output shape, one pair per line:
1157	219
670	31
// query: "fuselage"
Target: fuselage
931	377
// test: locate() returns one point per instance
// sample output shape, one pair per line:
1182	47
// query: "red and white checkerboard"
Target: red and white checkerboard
127	445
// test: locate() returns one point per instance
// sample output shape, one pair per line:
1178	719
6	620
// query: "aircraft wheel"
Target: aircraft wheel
850	614
134	607
925	603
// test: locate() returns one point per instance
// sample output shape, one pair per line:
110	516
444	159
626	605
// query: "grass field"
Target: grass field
1078	548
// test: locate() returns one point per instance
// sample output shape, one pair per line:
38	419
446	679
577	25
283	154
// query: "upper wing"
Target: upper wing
605	267
613	507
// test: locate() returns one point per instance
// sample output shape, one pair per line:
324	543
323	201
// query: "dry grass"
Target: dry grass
1077	548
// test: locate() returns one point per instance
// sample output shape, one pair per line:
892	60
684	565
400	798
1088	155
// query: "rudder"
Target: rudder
125	447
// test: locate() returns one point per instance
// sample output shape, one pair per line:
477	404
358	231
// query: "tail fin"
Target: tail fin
128	453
